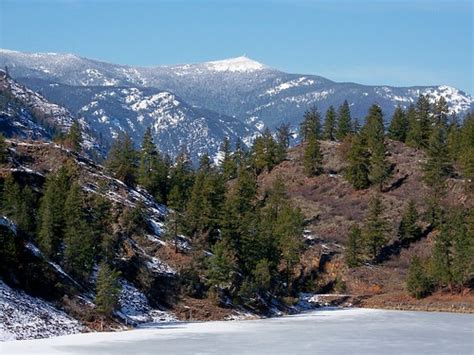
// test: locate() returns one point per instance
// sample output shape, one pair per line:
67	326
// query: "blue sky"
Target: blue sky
404	42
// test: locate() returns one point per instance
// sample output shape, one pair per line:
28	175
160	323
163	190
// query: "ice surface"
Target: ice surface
330	331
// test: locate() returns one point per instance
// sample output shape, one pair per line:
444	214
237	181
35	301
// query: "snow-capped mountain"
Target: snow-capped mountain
174	123
27	114
241	88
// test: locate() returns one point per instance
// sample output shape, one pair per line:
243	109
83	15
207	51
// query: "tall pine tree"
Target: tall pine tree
344	121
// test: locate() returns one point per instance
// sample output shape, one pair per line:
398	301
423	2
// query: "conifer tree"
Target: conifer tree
283	135
408	229
3	149
417	283
78	252
181	182
313	158
152	170
379	170
51	213
222	266
258	155
271	149
442	258
438	166
420	124
353	247
107	290
357	171
344	121
329	132
466	150
8	250
398	128
122	159
73	139
463	247
440	114
375	228
227	163
454	139
311	125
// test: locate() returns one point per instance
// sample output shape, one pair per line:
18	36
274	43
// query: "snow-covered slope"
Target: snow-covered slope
27	114
174	123
25	317
238	87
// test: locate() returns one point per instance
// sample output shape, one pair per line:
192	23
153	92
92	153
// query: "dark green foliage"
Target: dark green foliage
438	165
375	228
418	283
73	138
20	205
357	172
442	258
329	131
419	123
440	112
354	247
466	150
262	276
344	121
408	229
311	125
379	170
398	126
266	152
227	164
3	149
78	251
181	182
107	290
222	266
152	169
51	213
313	158
122	159
283	135
8	250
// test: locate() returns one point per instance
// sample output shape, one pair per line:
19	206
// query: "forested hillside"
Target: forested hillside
380	215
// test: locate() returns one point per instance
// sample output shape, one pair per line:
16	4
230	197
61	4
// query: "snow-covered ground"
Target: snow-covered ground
329	331
26	317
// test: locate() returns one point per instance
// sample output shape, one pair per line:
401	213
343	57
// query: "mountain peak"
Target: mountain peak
237	64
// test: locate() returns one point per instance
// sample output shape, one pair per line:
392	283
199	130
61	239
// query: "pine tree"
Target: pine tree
313	158
122	159
375	228
344	121
8	250
420	124
258	158
181	182
3	149
441	111
408	229
107	290
438	166
283	135
466	150
463	247
262	275
73	139
51	213
78	252
152	170
271	149
442	258
380	169
329	132
311	125
357	171
398	126
227	163
222	266
20	205
417	283
353	247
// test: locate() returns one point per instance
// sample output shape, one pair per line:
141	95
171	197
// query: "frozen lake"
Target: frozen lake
348	331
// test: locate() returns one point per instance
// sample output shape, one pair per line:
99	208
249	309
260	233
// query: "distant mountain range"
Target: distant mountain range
197	105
